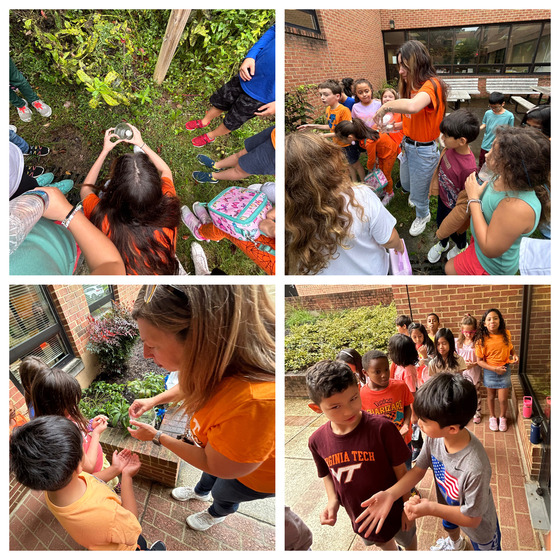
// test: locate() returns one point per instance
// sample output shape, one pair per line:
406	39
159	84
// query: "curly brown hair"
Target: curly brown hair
318	199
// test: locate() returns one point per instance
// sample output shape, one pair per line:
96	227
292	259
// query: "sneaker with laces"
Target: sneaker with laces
201	213
477	417
449	545
45	179
419	225
191	221
34	171
493	423
410	203
207	162
454	252
38	151
434	254
387	198
502	426
158	545
42	108
199	260
24	113
184	493
194	124
204	177
202	140
202	521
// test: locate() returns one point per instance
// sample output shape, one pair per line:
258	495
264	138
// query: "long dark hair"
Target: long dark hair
482	332
452	362
358	129
429	343
137	213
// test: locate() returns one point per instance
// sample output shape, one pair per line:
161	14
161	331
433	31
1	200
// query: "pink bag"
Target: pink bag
400	263
376	181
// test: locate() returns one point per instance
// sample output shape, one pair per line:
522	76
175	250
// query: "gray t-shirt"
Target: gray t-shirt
463	479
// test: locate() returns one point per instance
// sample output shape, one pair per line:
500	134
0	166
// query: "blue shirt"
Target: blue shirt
493	121
263	84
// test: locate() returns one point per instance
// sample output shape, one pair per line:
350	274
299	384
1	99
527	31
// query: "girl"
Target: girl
465	348
402	351
538	117
30	369
381	150
396	133
332	225
57	393
422	100
509	206
138	209
425	348
353	358
446	359
433	325
495	353
366	106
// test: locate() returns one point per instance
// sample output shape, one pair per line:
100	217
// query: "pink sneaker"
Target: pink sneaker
193	125
202	140
503	424
494	423
192	222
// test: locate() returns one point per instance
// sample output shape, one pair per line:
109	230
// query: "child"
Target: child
138	209
403	322
381	150
91	513
18	82
402	351
249	93
330	93
538	117
495	353
394	131
425	348
461	468
432	325
509	206
347	97
366	106
385	396
356	454
456	163
57	393
465	348
352	358
446	358
496	116
30	369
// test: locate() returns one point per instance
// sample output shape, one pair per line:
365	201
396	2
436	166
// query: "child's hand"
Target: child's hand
513	359
423	351
500	370
99	425
247	69
474	190
404	429
120	459
266	110
136	136
304	126
376	510
417	507
133	466
328	516
108	141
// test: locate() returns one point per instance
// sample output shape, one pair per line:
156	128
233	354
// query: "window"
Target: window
98	297
34	329
303	19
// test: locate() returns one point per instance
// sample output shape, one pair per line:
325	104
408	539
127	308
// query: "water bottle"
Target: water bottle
25	211
527	407
535	436
122	130
387	125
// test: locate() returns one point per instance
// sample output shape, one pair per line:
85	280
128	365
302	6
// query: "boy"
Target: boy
356	454
456	163
403	322
47	454
330	93
432	325
496	116
462	471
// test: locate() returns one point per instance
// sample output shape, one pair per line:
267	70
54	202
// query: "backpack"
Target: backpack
239	211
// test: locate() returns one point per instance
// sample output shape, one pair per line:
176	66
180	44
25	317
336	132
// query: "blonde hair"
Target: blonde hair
318	199
226	331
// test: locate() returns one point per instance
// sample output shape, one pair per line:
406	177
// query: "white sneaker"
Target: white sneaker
434	254
447	544
184	493
199	260
201	213
387	198
203	520
25	113
454	252
410	203
418	225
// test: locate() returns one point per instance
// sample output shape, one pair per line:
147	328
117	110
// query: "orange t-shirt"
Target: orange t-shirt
424	125
495	351
334	116
167	188
97	520
239	422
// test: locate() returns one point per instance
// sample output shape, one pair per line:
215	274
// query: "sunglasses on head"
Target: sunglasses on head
151	290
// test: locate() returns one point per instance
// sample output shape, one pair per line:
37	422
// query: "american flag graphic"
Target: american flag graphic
448	484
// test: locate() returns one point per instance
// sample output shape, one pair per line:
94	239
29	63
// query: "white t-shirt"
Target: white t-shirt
16	167
365	254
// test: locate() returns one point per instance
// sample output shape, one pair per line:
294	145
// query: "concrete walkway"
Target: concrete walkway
33	527
306	496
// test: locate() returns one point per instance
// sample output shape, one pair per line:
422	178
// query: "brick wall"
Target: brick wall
126	294
342	299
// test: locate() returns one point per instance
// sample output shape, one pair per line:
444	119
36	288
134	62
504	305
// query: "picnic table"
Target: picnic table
458	95
542	90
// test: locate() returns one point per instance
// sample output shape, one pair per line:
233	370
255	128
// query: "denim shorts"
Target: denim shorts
260	156
494	381
352	153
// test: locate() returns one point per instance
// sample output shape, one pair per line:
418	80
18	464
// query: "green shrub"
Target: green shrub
150	385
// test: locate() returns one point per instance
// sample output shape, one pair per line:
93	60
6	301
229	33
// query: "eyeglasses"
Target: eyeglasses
151	290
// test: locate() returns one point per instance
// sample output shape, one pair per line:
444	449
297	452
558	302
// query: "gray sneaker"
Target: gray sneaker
184	493
419	225
199	260
202	521
434	254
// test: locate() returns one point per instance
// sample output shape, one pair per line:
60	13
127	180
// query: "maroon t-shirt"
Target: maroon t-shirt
361	464
453	172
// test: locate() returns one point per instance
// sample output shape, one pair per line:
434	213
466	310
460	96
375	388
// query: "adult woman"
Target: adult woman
423	101
332	225
138	210
221	340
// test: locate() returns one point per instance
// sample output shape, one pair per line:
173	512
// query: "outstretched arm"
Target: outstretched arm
161	166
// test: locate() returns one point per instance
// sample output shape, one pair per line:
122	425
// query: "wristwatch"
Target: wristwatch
156	438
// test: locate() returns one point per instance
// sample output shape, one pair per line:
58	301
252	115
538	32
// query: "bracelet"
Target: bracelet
142	145
42	195
477	200
71	214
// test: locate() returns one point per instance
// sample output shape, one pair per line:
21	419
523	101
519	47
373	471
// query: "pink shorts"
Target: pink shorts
467	263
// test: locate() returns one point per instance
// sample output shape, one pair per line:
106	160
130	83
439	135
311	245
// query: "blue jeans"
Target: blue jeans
19	142
227	494
417	167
